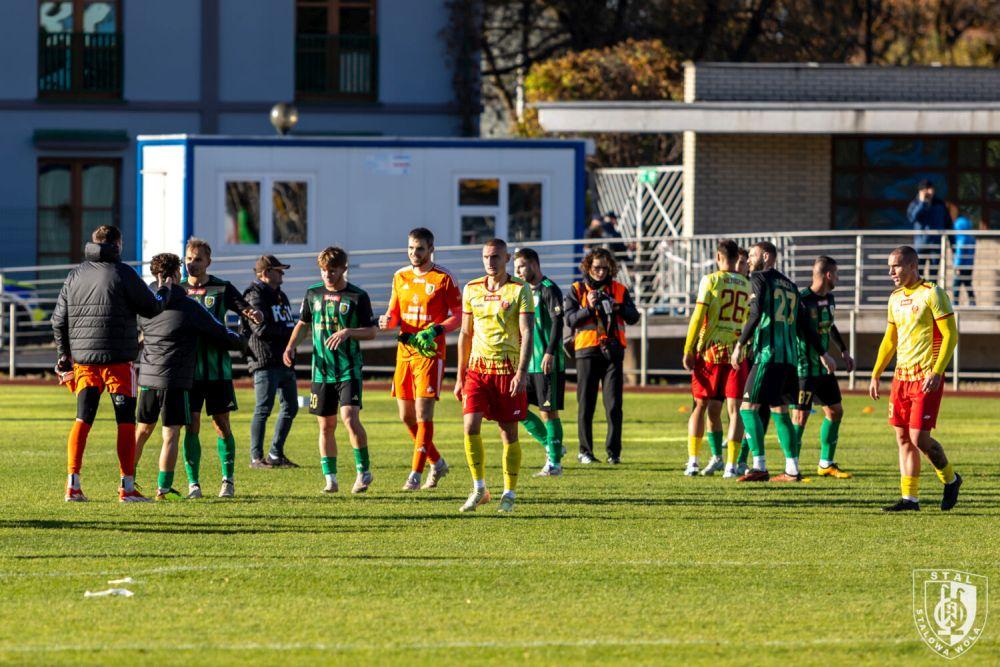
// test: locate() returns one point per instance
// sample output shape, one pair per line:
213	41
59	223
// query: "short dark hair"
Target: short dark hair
496	243
825	263
106	234
728	249
599	253
744	252
332	256
165	264
527	254
925	183
906	253
766	246
422	234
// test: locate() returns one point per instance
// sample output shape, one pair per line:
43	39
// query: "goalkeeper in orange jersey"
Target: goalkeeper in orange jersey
715	327
425	304
922	334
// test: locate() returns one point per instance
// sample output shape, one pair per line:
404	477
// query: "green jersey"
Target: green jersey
774	303
815	320
548	328
329	311
217	296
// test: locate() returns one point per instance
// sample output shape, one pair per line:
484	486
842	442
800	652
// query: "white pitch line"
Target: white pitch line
437	645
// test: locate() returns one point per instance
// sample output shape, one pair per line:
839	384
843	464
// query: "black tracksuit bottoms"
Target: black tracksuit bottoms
594	371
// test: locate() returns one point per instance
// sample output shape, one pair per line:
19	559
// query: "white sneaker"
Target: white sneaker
331	486
436	474
691	470
586	459
228	489
412	483
715	464
476	498
506	504
362	482
549	470
730	473
194	492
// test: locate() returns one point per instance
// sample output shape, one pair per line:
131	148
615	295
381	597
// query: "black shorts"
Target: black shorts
823	389
771	384
218	396
547	391
169	406
326	398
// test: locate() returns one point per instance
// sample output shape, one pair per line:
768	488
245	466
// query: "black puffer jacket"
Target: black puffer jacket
94	318
269	338
170	339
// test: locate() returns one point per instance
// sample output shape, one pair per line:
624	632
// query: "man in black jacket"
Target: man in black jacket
167	369
97	341
268	340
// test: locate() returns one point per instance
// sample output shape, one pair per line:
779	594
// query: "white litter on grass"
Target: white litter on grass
126	580
124	592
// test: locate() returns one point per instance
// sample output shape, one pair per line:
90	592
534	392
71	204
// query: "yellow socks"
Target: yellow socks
475	454
694	445
946	474
511	465
732	452
910	486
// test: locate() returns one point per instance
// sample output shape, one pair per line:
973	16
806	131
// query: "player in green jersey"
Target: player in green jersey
772	325
547	368
339	314
815	381
213	371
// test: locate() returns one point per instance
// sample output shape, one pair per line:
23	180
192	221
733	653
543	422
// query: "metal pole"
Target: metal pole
942	268
688	278
644	345
853	346
954	359
12	366
1	317
859	257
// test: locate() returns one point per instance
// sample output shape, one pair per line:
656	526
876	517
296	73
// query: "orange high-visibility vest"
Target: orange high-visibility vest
591	334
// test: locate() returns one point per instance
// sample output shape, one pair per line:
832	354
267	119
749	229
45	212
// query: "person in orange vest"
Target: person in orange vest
597	309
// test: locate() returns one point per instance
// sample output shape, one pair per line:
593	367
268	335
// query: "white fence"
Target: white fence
663	272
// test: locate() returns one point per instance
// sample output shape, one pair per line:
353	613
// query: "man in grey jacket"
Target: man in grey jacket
97	342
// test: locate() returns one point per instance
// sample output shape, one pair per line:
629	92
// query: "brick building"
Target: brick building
818	147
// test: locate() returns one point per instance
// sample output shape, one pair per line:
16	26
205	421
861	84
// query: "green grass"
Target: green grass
635	564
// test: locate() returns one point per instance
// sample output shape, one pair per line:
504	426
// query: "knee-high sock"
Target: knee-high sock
786	434
829	433
362	463
799	429
511	465
732	451
910	487
165	479
554	436
419	455
75	445
227	455
945	474
535	427
192	456
744	451
475	454
425	441
126	449
694	446
715	443
754	431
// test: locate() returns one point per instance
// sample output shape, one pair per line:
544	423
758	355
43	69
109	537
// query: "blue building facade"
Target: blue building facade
85	77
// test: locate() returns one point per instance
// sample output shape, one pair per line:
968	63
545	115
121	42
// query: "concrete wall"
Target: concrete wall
705	82
738	183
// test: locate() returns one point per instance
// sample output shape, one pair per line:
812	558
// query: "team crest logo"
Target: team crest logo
949	608
344	307
209	301
429	289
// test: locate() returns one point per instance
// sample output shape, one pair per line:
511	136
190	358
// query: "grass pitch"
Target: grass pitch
634	564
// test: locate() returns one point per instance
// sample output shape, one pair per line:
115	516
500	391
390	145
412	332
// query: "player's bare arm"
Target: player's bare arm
338	338
526	324
464	350
300	331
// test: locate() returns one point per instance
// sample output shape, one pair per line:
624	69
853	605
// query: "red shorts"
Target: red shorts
490	395
910	407
115	378
718	382
417	377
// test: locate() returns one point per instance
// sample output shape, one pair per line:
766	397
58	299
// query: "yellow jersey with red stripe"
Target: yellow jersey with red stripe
724	296
496	334
914	312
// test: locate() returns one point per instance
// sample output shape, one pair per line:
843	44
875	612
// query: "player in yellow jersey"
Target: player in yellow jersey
922	334
715	327
494	349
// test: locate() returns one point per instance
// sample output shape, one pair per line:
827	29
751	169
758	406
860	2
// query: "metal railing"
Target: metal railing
80	63
344	66
663	273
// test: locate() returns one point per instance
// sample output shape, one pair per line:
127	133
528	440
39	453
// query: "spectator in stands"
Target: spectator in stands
964	253
596	228
611	231
928	214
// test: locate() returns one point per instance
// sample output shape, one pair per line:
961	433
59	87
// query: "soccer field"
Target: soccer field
634	564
